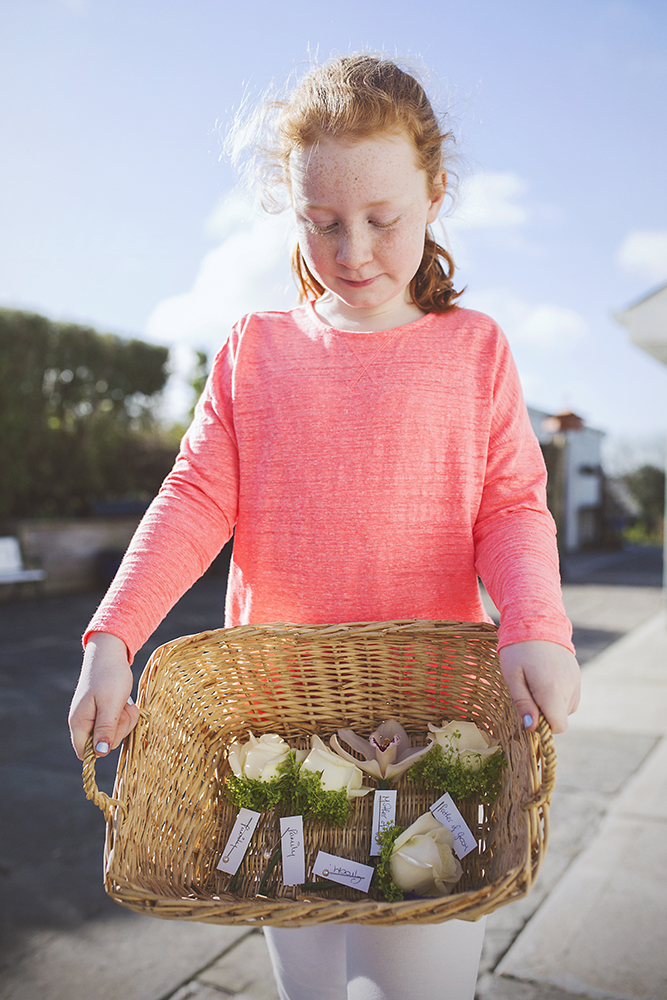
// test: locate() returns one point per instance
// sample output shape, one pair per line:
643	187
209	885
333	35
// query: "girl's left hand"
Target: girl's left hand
541	676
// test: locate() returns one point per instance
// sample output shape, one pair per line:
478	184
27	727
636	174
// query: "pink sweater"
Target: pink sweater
370	476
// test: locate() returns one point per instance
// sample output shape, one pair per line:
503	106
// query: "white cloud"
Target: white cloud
541	325
644	253
489	201
249	271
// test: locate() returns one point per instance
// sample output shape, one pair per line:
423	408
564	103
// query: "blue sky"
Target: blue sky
117	210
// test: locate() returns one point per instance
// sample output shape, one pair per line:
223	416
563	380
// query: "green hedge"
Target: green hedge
77	417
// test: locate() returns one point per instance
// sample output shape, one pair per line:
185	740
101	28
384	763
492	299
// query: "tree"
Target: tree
198	378
77	416
647	486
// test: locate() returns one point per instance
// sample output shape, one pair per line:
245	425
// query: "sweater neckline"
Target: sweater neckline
415	325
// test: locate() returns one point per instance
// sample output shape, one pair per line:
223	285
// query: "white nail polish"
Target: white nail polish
527	721
129	701
102	747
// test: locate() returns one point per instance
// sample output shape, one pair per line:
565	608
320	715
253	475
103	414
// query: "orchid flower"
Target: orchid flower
387	751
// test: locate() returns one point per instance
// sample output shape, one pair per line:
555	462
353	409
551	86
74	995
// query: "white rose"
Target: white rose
422	860
258	758
336	774
472	745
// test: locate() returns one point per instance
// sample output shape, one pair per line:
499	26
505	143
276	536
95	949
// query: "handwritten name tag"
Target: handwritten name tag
291	839
239	838
384	814
446	812
342	870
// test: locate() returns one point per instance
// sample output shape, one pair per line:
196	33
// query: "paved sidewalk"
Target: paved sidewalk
594	924
599	929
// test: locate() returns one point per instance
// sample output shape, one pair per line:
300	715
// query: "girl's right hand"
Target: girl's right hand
102	704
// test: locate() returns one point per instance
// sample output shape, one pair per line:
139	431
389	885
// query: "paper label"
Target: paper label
350	873
446	812
239	838
384	814
291	839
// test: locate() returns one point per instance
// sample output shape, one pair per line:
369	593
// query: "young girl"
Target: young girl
372	450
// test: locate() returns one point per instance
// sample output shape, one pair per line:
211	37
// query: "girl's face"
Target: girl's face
362	211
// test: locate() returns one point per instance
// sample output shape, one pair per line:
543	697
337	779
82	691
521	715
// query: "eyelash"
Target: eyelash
326	230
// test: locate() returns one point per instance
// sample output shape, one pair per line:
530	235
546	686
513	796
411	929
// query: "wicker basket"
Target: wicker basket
169	818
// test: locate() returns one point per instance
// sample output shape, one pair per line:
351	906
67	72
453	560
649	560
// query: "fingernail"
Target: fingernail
129	700
527	721
102	747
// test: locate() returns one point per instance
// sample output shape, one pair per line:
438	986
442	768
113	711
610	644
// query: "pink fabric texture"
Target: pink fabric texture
369	476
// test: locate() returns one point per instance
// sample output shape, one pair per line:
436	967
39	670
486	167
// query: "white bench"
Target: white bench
12	569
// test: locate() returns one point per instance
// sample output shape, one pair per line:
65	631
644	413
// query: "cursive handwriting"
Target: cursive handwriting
386	810
352	876
294	842
241	838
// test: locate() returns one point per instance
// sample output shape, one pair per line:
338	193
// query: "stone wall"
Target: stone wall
76	554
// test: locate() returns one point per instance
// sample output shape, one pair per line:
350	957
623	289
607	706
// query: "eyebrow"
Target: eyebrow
324	208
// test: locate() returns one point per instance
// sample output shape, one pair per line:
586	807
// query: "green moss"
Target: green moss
296	792
444	771
382	879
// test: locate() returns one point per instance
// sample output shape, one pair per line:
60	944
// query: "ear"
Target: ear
437	197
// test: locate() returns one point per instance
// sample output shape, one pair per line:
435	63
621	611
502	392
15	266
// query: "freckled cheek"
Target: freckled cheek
405	252
314	251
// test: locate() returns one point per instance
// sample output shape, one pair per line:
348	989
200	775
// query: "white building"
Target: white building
575	489
647	322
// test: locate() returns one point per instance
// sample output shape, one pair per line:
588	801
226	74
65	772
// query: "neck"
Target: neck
336	313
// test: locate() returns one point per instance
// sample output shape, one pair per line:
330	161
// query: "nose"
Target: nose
354	247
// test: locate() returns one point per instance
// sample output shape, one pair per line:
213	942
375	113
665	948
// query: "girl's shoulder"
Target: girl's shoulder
467	331
469	320
271	320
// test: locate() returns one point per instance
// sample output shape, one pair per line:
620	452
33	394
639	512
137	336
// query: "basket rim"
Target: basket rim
311	908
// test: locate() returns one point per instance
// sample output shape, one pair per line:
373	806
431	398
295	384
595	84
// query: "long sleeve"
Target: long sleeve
186	525
514	533
368	476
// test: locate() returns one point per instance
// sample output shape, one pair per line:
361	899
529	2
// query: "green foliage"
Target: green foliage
198	378
251	793
382	879
444	771
77	417
647	486
296	792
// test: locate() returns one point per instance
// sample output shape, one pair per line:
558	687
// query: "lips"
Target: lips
358	284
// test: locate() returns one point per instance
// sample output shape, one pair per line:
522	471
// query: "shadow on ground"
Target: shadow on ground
52	837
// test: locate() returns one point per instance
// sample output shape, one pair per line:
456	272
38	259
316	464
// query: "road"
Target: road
51	838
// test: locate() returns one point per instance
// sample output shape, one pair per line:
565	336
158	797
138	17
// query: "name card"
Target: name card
342	870
239	838
384	814
446	812
291	839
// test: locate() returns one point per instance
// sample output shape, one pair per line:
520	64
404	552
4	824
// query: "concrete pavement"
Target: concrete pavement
593	925
597	920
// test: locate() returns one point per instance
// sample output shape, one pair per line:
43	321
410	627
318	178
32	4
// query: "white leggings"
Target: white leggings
355	962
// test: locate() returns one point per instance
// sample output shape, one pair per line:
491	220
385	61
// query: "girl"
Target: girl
373	452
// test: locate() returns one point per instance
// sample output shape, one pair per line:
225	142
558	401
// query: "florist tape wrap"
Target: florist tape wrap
169	818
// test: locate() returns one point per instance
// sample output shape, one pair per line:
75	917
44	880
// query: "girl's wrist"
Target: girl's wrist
105	643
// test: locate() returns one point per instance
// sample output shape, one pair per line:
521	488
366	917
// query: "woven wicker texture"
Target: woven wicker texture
169	819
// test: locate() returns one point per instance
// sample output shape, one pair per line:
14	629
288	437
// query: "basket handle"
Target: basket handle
101	799
548	754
